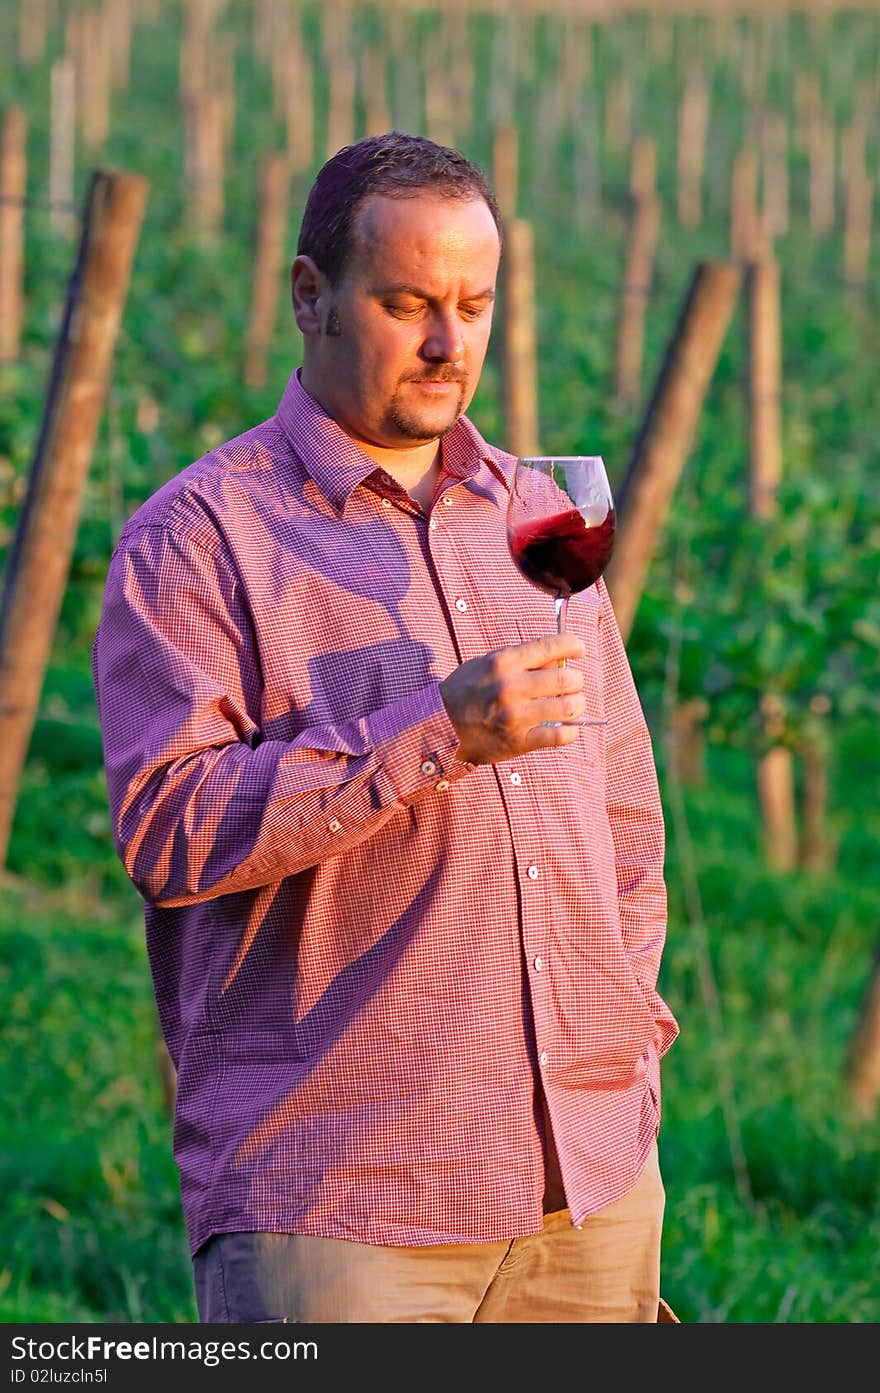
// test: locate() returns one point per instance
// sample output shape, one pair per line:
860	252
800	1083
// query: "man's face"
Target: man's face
395	350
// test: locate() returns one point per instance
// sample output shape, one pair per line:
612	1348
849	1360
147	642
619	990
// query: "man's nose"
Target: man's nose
444	342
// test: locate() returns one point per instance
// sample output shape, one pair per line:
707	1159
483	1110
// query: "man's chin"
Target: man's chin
418	428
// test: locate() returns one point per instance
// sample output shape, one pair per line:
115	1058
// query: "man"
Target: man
404	914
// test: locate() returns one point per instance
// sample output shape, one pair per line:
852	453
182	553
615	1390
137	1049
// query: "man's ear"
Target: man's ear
308	291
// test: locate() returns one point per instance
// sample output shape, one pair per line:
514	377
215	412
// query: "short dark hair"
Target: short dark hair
395	164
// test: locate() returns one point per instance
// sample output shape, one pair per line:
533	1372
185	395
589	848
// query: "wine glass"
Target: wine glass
560	526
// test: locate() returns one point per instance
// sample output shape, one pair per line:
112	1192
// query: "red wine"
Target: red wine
562	554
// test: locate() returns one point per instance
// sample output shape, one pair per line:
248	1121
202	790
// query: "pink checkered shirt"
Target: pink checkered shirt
368	955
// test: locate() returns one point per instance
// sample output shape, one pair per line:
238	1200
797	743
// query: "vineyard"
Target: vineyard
690	288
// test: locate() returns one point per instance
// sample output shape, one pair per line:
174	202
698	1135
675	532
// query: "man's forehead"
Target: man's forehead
383	218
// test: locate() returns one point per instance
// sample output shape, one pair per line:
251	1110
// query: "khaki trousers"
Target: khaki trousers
606	1271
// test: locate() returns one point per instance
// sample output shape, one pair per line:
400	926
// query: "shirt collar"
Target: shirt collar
337	465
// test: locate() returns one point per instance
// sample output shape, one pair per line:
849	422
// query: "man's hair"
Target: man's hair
394	164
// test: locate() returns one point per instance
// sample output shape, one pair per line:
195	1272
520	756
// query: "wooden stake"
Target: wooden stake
775	773
686	743
33	25
62	146
816	849
765	372
439	103
693	120
374	91
774	180
520	357
744	222
13	186
618	115
95	88
206	179
299	116
502	72
863	1062
340	117
821	151
644	228
119	40
643	167
505	167
39	561
665	437
857	225
268	266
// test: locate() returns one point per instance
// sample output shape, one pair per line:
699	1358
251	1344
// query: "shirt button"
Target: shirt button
432	523
386	502
516	778
442	786
447	500
539	963
532	871
461	604
334	825
543	1056
429	767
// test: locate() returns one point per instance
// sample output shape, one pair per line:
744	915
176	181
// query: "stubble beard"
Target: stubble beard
411	425
405	423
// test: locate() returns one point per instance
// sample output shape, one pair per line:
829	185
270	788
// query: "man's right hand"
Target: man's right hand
499	702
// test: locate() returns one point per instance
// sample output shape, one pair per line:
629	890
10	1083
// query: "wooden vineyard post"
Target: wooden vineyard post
863	1060
693	117
340	116
94	58
774	177
744	223
299	116
618	114
374	91
644	228
643	168
439	108
268	265
665	437
765	371
857	224
206	193
42	547
13	184
62	147
520	357
505	168
821	152
775	772
816	849
119	18
33	24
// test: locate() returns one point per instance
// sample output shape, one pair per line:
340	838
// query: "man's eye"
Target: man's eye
403	311
472	311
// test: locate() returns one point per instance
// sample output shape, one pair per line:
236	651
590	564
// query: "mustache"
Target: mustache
448	374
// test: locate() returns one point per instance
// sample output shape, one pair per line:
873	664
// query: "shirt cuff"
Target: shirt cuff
417	745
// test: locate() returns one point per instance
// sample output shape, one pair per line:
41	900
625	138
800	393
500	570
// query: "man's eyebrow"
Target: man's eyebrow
419	294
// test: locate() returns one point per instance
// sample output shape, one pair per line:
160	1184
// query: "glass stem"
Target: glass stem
561	606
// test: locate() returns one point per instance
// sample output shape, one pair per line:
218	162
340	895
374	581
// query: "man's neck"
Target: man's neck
416	470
